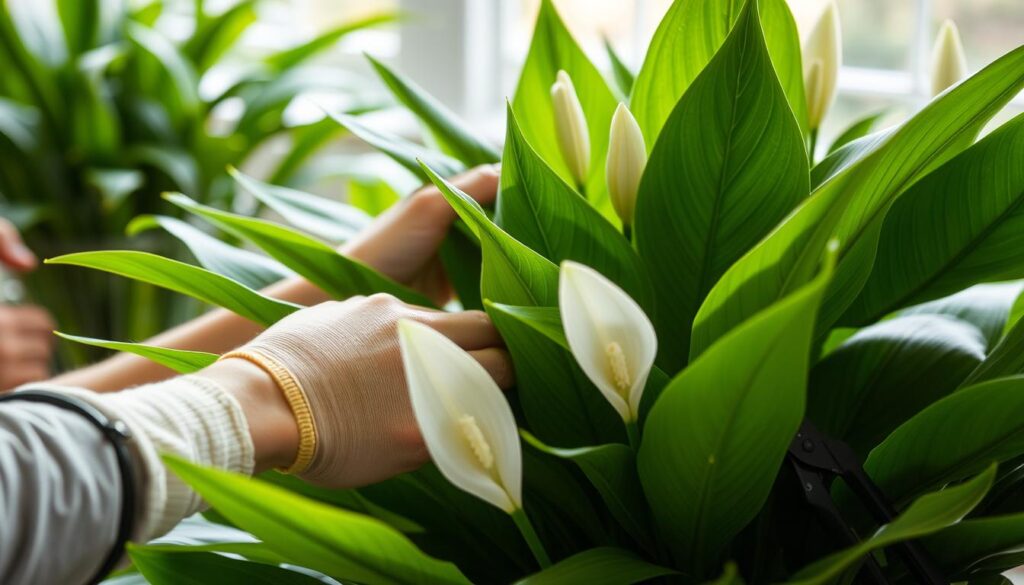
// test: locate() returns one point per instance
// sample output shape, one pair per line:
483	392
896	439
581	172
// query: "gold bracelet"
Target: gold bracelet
296	399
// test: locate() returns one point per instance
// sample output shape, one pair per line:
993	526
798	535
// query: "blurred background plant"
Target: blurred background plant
105	104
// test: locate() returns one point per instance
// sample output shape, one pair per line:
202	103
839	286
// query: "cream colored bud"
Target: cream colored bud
627	157
571	128
949	65
822	56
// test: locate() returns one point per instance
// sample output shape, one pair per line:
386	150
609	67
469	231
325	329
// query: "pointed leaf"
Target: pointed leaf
958	226
186	279
552	50
452	134
928	514
333	221
858	129
179	360
402	151
950	440
690	33
611	469
720	430
342	544
248	268
161	566
886	373
322	265
730	163
852	205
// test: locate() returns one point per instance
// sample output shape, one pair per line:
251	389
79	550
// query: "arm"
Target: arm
401	244
60	486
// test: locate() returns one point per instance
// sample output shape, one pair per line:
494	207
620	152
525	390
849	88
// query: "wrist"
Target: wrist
272	425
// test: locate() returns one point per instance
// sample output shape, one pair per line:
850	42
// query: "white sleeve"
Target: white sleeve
190	417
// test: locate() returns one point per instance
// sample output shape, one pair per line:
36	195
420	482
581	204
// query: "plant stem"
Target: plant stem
628	232
532	540
633	432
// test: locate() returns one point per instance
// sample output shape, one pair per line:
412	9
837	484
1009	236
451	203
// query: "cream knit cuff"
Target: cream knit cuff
190	417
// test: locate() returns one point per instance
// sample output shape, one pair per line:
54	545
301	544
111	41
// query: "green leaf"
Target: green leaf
720	430
342	544
290	58
958	548
79	19
337	275
215	36
950	440
599	566
986	306
305	142
841	159
182	95
958	226
179	360
512	272
248	268
621	72
114	185
886	373
177	164
852	205
689	35
455	138
858	129
188	280
729	165
373	197
611	469
1005	359
538	208
928	514
405	153
161	566
333	221
551	50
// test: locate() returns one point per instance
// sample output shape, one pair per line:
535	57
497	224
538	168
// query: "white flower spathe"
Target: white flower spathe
571	127
627	157
822	57
609	335
466	422
949	64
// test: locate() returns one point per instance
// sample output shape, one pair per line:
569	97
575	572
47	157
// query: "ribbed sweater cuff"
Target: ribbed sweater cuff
190	417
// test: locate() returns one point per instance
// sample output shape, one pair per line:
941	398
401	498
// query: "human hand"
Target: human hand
13	252
346	359
403	242
26	345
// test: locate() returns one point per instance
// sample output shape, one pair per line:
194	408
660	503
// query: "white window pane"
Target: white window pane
878	33
989	28
322	15
588	20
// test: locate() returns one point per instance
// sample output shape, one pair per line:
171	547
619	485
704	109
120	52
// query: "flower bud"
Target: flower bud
571	128
822	56
627	157
949	65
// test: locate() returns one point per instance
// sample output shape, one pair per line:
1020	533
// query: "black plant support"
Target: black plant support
817	459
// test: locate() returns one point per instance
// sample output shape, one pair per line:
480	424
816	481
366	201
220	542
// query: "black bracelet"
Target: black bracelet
118	435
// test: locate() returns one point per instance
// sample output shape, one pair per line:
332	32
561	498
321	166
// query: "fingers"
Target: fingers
498	364
470	330
31	319
26	345
13	252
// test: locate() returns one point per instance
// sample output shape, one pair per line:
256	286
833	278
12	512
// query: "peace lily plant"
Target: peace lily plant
683	288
